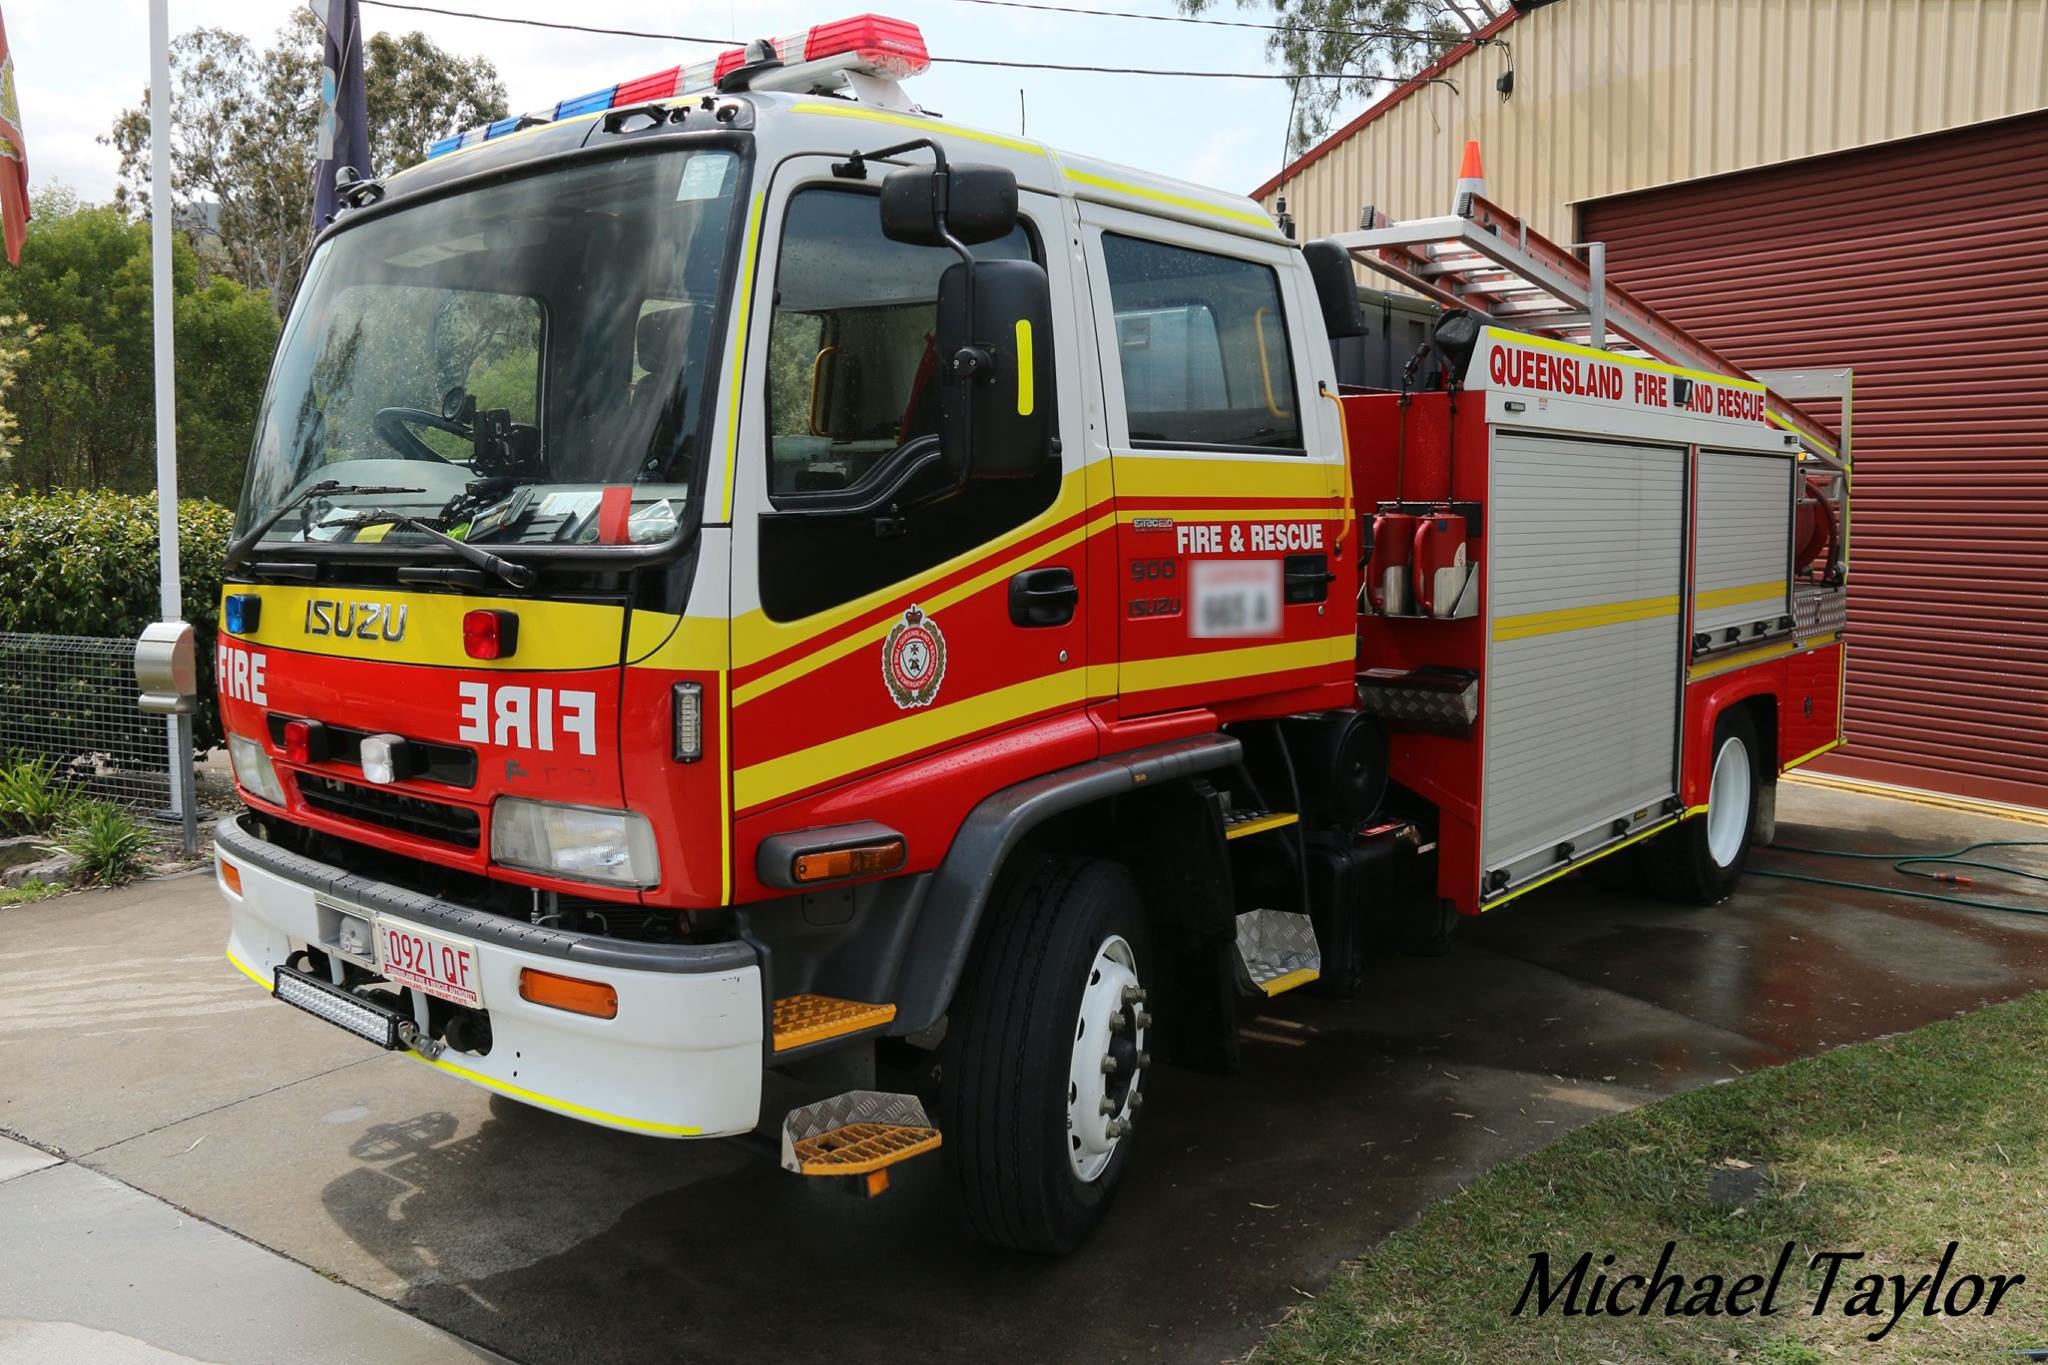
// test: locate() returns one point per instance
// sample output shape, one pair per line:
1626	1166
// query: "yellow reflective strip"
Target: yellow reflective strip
1151	675
1143	474
745	289
1631	362
1025	376
1822	446
724	715
1300	976
838	109
1549	877
1736	597
552	635
582	1111
1562	619
246	970
1762	654
1245	829
839	758
1811	755
1180	201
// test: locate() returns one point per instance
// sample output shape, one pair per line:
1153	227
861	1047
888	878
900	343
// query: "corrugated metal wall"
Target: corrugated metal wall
1617	95
1923	265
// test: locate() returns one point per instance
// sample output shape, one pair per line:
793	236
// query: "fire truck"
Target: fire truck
758	610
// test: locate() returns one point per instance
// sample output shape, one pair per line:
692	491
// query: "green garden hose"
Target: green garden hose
1902	861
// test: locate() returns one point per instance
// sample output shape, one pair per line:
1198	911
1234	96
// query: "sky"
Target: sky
78	63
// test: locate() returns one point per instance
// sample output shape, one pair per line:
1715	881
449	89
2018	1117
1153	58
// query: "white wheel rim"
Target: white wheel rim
1112	993
1728	803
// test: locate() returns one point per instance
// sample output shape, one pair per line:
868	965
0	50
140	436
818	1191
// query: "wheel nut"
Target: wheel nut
1134	995
1108	1065
1107	1106
1144	1059
1118	1023
1137	1100
1144	1019
1115	1128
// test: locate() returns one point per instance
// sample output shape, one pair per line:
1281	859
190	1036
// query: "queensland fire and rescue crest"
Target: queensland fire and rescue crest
914	659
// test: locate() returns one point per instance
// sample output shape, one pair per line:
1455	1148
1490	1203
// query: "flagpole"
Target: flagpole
178	736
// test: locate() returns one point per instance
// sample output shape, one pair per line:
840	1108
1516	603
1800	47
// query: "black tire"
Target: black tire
1680	864
1010	1040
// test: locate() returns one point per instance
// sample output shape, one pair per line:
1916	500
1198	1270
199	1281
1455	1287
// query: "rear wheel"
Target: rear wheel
1045	1054
1700	861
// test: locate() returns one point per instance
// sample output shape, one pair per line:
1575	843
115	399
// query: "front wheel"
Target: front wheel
1699	862
1045	1054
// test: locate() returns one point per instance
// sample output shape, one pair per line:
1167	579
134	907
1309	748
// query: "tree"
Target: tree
1346	50
82	389
242	130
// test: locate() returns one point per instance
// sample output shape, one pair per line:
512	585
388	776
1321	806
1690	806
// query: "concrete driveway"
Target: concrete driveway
129	1047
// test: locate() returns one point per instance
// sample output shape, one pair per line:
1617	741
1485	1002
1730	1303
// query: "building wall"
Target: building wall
1617	95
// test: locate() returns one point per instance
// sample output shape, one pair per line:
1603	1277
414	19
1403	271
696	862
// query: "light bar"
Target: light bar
867	44
337	1007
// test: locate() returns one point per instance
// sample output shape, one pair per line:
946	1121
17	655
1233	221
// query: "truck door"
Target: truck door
1228	465
873	639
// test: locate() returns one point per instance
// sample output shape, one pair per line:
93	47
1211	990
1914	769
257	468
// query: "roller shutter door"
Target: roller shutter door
1586	543
1742	547
1922	264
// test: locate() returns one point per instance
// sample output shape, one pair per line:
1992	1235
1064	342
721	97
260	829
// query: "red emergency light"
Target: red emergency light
867	45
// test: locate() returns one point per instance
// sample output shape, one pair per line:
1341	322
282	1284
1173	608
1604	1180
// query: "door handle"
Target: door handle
1307	578
1043	597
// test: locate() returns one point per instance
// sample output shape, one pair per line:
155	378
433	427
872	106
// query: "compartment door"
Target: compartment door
1742	566
1584	647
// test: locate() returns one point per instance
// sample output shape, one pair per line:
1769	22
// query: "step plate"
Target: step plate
859	1148
1277	951
802	1019
854	1133
1250	822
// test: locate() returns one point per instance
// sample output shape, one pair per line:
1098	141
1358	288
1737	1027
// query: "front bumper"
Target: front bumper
681	1059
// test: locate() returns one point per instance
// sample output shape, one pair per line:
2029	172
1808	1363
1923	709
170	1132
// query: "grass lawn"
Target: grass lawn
1893	1148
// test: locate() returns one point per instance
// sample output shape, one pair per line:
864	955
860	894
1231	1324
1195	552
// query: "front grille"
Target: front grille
446	763
456	825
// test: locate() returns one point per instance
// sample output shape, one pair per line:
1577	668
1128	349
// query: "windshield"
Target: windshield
521	364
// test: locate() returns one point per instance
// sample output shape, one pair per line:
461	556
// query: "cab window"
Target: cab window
1202	343
853	377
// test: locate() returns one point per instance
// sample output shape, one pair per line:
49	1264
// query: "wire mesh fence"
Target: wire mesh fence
70	700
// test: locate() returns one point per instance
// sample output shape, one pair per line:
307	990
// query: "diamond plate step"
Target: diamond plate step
1277	951
803	1019
855	1133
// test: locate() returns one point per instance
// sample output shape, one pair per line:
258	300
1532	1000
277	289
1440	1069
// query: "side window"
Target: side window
851	379
1202	340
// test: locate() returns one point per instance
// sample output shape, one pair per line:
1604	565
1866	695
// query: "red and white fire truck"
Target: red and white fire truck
741	578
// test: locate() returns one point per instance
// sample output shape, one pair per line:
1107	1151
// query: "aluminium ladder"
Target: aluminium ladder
1485	259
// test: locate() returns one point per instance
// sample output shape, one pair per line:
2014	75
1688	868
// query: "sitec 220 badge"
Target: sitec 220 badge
914	660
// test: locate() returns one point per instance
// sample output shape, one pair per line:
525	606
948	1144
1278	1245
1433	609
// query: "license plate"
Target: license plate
1234	597
431	962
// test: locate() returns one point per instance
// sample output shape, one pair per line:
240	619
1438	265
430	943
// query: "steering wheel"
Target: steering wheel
391	425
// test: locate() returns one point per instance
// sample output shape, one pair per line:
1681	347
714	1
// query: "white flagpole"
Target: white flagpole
179	737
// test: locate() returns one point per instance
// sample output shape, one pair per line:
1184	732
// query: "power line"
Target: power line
954	61
1419	35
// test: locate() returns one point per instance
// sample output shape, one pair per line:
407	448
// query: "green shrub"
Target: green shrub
108	842
32	799
85	563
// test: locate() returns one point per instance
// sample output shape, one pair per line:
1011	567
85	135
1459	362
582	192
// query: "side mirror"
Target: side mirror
1329	265
920	204
995	340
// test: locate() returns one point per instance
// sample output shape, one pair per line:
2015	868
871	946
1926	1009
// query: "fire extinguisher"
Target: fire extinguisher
1439	563
1386	573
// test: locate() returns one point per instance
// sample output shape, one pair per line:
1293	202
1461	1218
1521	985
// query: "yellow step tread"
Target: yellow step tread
859	1148
801	1019
1244	826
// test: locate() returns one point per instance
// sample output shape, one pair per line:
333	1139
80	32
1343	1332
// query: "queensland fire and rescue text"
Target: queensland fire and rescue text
723	625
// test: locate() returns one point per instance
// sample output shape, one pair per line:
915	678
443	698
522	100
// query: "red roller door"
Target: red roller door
1924	266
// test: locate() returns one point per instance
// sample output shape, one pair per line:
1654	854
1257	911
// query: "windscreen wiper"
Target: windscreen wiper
518	575
247	542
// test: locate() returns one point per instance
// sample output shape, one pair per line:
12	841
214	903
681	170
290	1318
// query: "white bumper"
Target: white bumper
683	1058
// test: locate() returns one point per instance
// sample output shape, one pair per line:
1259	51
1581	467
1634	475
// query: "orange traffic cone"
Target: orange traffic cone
1471	181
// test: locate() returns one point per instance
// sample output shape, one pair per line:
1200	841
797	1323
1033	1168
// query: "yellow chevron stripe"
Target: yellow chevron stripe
1563	619
1151	675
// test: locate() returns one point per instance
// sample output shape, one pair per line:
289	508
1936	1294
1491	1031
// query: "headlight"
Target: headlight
614	846
253	770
